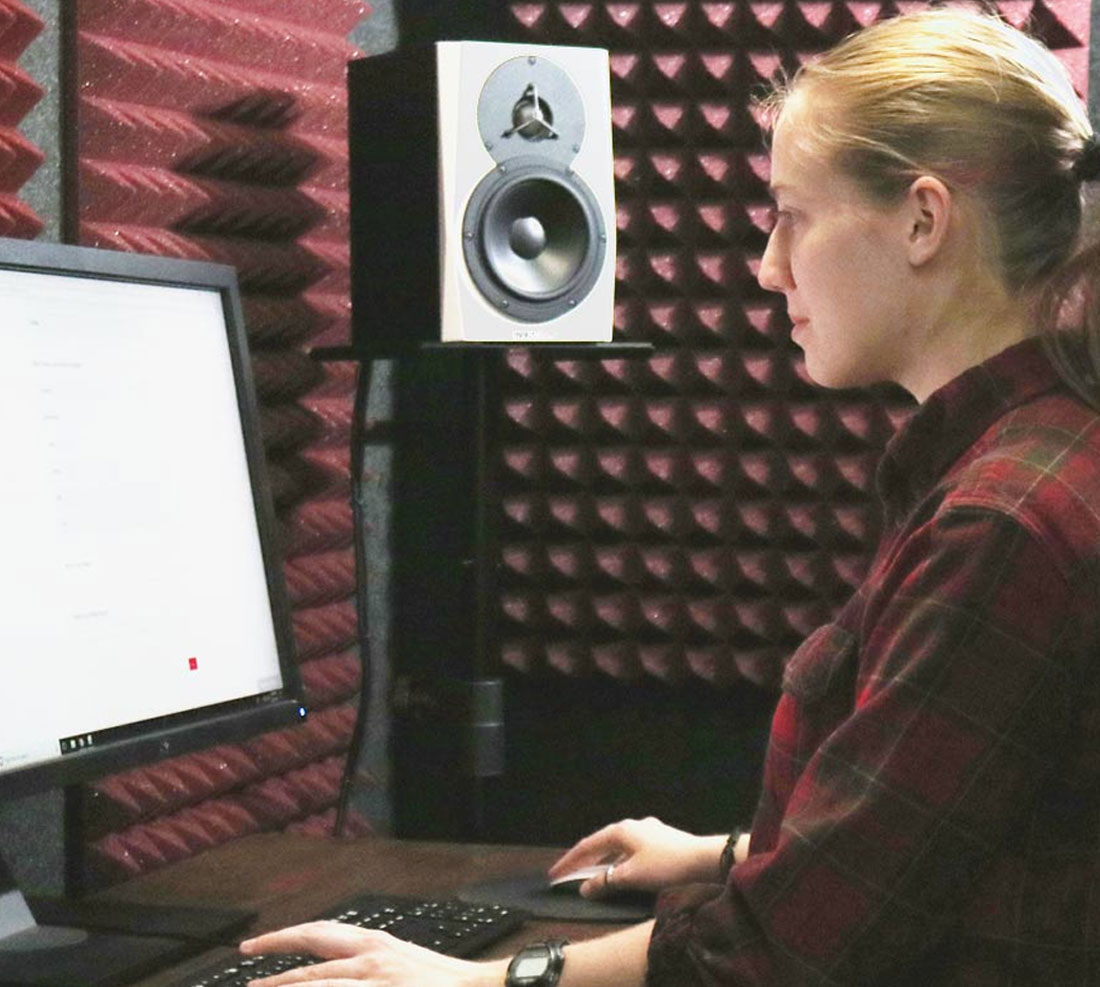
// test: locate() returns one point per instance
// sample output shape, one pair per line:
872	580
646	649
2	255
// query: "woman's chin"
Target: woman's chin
832	377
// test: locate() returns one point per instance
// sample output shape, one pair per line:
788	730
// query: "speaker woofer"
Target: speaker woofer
533	239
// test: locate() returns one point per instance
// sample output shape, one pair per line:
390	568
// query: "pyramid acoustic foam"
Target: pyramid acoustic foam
216	131
696	514
19	158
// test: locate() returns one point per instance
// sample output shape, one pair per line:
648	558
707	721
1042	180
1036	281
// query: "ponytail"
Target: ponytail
1068	317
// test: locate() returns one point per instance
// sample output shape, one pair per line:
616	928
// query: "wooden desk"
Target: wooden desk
288	879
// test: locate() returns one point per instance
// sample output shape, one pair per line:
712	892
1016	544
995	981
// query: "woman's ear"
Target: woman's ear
928	207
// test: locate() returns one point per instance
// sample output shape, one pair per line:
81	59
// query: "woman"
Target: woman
931	797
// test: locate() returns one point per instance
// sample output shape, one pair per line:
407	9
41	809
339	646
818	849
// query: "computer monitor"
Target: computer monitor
142	607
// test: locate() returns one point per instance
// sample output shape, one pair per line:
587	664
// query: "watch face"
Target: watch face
530	966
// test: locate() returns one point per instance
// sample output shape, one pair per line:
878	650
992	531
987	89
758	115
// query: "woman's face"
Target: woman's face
841	262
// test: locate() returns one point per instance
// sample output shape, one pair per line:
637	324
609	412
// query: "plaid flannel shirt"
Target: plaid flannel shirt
931	799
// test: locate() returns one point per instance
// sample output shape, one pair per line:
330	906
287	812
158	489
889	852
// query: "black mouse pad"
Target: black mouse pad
531	893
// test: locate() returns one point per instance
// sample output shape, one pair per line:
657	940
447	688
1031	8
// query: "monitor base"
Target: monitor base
95	960
199	926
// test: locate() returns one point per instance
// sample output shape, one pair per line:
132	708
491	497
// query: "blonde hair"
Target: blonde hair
964	96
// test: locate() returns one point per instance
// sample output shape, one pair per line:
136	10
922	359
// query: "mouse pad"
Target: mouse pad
530	893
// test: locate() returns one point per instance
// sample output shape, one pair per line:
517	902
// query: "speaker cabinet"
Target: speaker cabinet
482	196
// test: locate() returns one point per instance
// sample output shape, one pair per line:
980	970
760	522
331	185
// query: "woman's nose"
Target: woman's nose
775	273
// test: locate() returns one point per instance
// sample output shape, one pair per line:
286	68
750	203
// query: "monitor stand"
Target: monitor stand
84	943
33	955
203	927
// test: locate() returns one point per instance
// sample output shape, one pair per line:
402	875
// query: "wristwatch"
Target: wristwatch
537	965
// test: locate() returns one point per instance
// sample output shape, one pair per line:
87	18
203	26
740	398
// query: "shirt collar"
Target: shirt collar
954	417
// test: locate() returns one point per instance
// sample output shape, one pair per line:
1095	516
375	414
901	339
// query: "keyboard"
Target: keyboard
447	926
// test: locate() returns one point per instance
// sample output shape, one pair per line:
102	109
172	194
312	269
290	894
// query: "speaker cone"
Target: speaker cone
533	240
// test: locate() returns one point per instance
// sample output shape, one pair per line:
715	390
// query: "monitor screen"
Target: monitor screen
143	611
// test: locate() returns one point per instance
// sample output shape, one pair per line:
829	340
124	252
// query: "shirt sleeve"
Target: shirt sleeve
956	710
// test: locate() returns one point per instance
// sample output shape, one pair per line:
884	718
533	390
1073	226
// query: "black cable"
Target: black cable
358	511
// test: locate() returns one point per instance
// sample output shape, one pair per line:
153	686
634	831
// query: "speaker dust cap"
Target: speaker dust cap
533	239
530	106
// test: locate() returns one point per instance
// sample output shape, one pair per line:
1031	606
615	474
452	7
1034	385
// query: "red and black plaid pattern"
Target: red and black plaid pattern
931	804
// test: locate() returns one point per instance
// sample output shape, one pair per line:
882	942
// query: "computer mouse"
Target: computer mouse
571	881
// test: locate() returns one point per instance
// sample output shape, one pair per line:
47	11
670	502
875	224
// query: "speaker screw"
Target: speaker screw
504	303
488	145
531	59
470	236
576	149
572	303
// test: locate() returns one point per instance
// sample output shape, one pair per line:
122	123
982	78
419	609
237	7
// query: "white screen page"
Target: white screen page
132	581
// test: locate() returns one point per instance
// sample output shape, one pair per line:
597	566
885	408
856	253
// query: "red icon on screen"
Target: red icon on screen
192	663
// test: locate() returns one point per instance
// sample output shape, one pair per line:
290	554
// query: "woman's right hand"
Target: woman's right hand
648	855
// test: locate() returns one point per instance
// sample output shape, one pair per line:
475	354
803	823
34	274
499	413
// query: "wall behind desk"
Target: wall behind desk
217	131
668	529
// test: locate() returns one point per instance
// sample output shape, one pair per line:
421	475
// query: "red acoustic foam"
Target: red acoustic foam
339	16
628	17
145	73
282	375
316	785
273	803
619	418
570	516
290	483
617	565
17	219
274	752
321	578
19	159
318	525
276	323
120	129
710	471
19	26
140	794
138	194
18	94
326	628
272	268
323	825
618	467
332	311
568	563
287	428
331	465
205	28
332	678
334	417
332	256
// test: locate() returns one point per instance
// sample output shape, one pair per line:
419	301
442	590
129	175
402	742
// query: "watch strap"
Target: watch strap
725	862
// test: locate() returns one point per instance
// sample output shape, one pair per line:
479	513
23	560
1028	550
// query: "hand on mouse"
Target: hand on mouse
646	855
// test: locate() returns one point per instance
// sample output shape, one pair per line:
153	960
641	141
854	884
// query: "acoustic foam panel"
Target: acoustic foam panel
696	514
217	131
19	158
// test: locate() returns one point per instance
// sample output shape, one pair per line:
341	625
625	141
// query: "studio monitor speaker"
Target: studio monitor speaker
482	196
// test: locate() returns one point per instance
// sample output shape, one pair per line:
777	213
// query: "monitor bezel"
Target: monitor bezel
192	730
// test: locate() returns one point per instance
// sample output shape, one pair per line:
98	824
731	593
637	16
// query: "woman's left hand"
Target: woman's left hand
354	957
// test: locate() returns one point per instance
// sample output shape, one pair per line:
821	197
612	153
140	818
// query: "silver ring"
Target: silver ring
607	874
